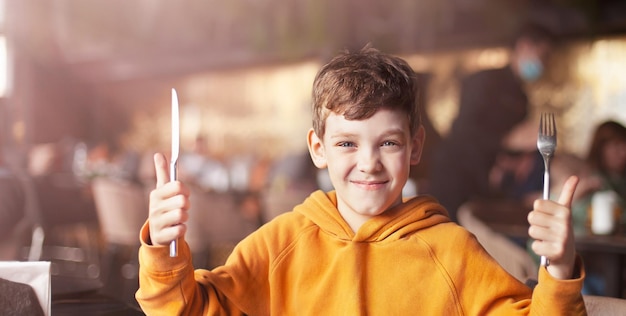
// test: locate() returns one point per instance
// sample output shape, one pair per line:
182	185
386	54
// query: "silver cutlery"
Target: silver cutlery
175	152
546	144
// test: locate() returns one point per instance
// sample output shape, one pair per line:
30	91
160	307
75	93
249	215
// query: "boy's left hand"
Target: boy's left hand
551	227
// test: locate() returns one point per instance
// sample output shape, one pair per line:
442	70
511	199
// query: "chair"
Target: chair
291	179
122	208
601	305
215	225
13	212
61	218
509	255
278	201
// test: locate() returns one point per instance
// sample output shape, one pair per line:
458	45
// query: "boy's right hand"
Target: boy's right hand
169	203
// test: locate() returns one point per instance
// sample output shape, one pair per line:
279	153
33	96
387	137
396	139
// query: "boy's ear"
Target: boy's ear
418	145
316	149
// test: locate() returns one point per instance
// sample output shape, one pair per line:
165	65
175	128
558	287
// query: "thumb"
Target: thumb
567	193
161	169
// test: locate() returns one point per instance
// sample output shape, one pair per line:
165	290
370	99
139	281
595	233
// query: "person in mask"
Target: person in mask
492	102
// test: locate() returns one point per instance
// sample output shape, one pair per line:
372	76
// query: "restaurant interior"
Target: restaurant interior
85	92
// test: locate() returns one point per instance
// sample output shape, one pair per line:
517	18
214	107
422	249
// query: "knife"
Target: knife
175	152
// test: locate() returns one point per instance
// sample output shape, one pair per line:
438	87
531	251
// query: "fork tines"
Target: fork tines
549	128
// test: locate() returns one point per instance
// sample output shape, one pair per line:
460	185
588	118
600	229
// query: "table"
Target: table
603	254
615	244
505	216
93	304
73	296
608	254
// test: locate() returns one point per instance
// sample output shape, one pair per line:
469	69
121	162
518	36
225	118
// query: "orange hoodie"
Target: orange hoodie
411	260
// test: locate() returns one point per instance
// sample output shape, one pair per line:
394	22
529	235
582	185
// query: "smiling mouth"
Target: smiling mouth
370	185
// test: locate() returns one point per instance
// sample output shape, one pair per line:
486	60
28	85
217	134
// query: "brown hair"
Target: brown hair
604	133
535	33
357	85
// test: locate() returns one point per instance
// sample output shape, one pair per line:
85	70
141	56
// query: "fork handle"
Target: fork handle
546	184
546	196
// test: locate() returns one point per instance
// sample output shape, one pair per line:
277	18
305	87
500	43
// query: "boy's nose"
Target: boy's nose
369	161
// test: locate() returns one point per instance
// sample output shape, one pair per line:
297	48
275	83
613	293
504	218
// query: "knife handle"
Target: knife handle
173	243
173	173
173	249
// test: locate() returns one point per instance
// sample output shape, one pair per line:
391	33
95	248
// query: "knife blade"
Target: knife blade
175	152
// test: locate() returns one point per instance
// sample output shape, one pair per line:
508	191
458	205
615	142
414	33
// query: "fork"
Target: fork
546	144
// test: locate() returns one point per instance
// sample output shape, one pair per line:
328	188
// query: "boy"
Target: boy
358	250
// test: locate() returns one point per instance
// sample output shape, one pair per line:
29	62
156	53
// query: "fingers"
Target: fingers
169	206
169	234
567	193
547	213
161	168
169	203
168	226
550	226
549	219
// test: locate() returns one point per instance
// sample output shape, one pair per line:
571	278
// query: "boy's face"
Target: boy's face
368	161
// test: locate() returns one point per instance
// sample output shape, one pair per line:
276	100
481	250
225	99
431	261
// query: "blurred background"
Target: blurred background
92	70
85	96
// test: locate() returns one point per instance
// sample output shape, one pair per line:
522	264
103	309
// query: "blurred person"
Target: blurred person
294	169
419	179
565	164
113	158
290	180
125	165
491	102
98	157
517	173
603	169
191	162
516	178
607	157
44	159
145	170
360	249
199	168
607	162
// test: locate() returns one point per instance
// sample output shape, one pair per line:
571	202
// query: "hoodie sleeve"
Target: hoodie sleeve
566	292
170	286
167	285
482	287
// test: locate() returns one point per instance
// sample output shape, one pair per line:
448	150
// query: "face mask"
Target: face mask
530	69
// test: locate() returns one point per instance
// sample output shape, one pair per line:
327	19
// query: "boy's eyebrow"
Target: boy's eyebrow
391	132
394	131
341	134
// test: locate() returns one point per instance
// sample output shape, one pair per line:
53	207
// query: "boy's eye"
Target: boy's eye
345	144
390	143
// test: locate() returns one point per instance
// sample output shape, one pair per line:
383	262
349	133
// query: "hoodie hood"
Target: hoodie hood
412	215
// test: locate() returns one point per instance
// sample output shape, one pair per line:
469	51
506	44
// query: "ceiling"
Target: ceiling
101	59
117	40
